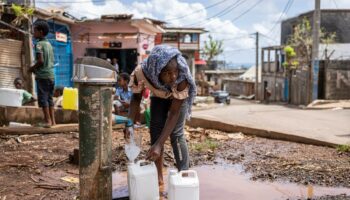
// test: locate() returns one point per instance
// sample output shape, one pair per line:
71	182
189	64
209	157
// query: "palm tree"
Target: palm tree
212	48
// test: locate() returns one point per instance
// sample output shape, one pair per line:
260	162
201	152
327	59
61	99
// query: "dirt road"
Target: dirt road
37	166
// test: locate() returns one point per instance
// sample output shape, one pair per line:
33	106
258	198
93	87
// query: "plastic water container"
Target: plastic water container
170	173
70	99
184	186
11	97
143	181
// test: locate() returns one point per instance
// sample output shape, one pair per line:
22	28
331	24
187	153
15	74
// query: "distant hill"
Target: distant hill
239	65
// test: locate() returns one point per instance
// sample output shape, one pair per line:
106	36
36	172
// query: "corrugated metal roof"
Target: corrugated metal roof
184	30
45	14
117	16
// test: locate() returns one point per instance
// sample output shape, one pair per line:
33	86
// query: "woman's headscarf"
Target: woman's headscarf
158	59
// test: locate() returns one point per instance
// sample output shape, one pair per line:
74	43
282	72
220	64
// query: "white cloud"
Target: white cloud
90	10
232	36
178	13
175	12
181	13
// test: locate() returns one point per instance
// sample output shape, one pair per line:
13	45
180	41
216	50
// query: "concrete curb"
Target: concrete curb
212	124
318	108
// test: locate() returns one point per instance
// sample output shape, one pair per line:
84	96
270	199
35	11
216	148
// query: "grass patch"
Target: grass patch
207	144
343	148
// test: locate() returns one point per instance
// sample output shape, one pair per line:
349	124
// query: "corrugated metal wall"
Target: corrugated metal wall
338	80
10	62
299	92
63	54
63	63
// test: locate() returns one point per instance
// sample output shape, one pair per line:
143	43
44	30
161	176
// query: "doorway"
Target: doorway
127	58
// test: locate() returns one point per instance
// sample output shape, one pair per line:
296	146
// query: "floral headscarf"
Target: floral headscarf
158	59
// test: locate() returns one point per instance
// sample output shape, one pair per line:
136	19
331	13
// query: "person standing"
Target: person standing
166	74
44	72
115	64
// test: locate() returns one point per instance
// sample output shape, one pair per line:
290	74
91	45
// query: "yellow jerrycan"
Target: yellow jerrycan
70	99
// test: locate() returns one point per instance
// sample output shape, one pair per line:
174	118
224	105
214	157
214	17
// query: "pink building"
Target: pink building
116	36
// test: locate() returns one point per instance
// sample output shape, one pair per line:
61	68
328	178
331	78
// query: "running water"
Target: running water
132	150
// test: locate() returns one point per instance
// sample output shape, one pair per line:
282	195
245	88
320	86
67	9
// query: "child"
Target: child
27	97
58	96
166	73
122	95
43	70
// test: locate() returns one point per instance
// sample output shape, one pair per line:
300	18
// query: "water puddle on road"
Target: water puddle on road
229	182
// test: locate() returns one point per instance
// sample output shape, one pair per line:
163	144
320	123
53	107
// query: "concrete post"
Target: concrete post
95	79
95	142
314	72
257	65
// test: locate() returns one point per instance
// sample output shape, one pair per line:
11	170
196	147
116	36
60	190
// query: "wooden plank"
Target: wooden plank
61	128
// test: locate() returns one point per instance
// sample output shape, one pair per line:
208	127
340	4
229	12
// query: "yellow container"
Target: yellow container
70	99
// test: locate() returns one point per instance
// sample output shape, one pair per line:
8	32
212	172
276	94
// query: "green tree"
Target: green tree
290	64
301	41
212	48
299	49
22	14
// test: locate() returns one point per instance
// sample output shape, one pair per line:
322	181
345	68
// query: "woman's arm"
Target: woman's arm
134	107
135	101
169	126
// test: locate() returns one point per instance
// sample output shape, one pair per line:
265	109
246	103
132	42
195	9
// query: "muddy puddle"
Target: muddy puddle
230	182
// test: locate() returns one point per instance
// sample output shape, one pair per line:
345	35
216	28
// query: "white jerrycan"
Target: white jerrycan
143	181
184	186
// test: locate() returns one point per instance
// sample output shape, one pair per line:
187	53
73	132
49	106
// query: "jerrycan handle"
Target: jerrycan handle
142	163
188	174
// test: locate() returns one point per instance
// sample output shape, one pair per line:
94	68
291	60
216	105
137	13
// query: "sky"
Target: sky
232	21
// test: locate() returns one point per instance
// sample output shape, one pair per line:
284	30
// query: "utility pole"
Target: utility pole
313	95
256	65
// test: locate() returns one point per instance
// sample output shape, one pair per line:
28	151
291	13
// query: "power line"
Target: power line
247	49
248	10
267	37
224	13
249	35
242	14
285	10
234	38
196	11
221	13
81	1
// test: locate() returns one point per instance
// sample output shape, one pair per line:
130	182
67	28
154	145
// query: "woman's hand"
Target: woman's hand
155	152
126	134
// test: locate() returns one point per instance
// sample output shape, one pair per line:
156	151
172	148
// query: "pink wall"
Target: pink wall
96	29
